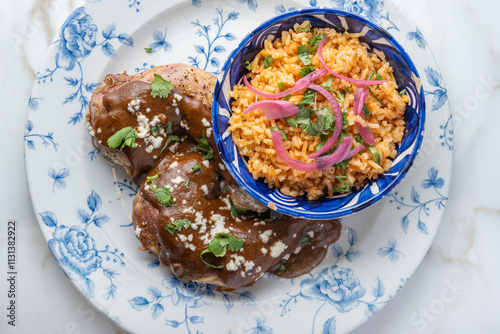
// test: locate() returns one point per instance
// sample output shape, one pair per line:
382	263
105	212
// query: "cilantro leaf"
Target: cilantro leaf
309	128
345	184
358	138
249	65
275	128
280	85
326	121
177	225
282	268
219	245
126	136
379	77
169	128
375	154
206	150
305	240
291	122
321	143
163	195
161	87
187	182
328	83
304	56
196	168
235	211
403	92
306	70
306	29
366	111
342	164
371	91
170	139
152	179
155	130
340	95
314	42
308	98
148	50
267	62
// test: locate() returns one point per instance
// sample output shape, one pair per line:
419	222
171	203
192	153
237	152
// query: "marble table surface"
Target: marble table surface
455	289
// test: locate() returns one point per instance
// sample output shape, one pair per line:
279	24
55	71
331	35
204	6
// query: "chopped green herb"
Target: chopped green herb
283	135
342	164
403	92
196	168
308	98
306	70
206	150
340	95
267	62
378	77
281	269
304	56
366	111
148	50
306	29
345	123
187	182
169	128
161	87
371	91
345	184
291	122
375	154
235	211
321	143
170	139
177	225
219	245
347	89
163	195
156	129
358	138
249	65
280	85
287	97
328	83
305	240
314	42
152	179
126	136
326	121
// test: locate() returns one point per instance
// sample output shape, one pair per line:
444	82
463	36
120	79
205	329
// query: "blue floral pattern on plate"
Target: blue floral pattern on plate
87	226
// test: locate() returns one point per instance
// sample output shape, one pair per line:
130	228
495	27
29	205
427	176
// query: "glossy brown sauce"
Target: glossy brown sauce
268	242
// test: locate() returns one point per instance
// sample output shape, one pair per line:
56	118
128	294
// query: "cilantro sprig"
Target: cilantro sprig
163	195
235	211
196	168
282	269
219	245
377	77
206	150
305	240
161	87
275	128
177	225
148	50
314	42
345	184
123	137
268	61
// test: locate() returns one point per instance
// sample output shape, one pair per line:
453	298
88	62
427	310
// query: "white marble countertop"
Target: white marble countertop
455	289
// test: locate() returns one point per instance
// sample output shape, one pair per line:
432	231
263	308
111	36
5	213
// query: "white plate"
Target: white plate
84	205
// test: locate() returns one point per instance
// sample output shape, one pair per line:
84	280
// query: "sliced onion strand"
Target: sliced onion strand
274	109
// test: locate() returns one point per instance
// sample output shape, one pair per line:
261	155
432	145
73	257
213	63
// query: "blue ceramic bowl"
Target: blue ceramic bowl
327	207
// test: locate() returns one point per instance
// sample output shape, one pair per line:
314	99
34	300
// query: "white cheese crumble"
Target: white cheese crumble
148	109
205	122
134	106
99	130
310	234
138	231
206	163
178	180
249	265
209	132
204	188
155	120
184	125
143	127
174	147
222	167
173	165
264	236
182	237
177	97
263	250
277	248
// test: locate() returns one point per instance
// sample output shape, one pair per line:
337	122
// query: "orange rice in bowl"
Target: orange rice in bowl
278	67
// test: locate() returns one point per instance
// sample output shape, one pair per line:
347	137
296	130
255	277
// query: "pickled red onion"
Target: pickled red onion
274	109
295	88
355	151
359	101
319	164
339	121
354	81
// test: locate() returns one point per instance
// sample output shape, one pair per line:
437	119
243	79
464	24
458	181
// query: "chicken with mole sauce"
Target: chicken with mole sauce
189	211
